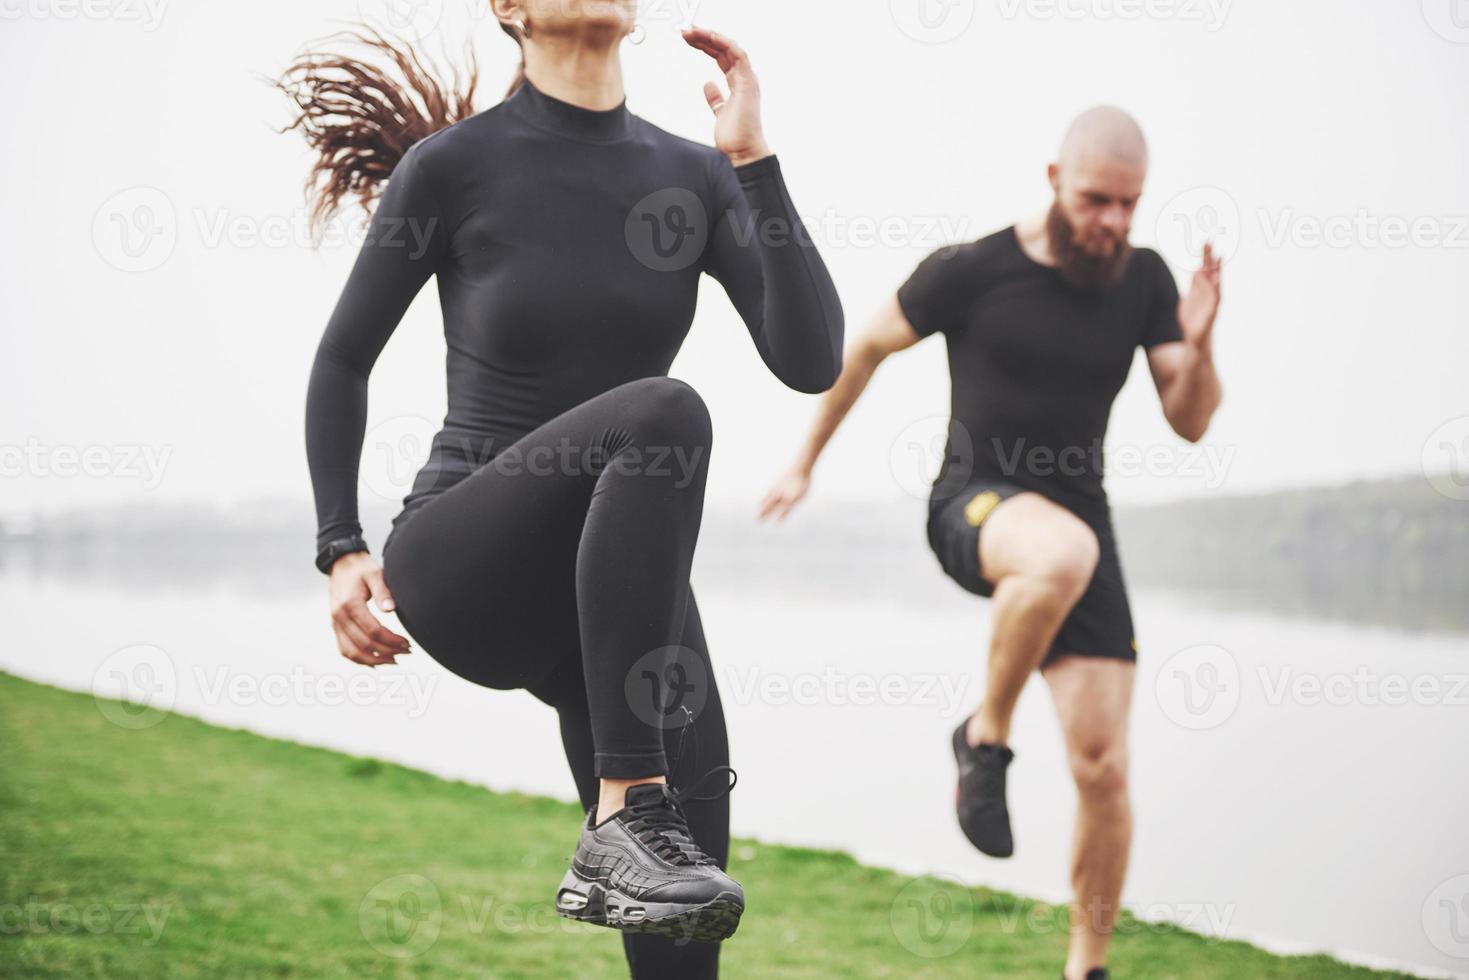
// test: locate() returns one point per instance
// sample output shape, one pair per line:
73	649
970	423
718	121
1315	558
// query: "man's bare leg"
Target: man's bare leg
1040	558
1093	697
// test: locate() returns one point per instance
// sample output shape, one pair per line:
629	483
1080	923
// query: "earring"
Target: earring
637	35
524	26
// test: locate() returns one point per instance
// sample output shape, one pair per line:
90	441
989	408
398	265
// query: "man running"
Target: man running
1042	322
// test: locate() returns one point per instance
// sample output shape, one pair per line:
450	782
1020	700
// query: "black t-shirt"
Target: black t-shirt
1035	363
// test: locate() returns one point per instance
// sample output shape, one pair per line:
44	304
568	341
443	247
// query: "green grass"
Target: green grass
184	850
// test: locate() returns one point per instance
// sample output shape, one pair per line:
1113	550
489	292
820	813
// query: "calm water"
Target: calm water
1299	784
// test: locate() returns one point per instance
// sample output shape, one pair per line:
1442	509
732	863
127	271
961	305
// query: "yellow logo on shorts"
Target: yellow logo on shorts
981	507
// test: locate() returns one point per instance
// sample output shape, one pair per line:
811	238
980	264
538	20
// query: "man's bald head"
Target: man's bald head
1104	135
1098	180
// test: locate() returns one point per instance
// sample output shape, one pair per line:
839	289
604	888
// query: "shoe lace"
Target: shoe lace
660	822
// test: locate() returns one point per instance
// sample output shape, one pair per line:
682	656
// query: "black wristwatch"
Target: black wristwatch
332	550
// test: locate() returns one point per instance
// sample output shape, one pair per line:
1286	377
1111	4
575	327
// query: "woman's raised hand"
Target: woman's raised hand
738	133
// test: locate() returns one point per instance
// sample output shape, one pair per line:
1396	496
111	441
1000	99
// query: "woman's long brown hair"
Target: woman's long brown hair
361	112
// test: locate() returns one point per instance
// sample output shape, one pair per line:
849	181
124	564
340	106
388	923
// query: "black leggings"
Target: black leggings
562	567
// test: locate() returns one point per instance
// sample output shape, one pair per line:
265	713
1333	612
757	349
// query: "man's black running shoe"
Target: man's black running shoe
641	871
983	815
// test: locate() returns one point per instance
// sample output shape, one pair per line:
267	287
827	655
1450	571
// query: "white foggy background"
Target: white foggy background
1339	362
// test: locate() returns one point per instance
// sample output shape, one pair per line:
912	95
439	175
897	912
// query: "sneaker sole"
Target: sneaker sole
592	902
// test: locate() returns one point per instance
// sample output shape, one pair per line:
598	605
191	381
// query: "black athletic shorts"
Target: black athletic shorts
1101	623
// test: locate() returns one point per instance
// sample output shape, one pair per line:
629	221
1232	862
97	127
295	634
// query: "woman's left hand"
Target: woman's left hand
737	130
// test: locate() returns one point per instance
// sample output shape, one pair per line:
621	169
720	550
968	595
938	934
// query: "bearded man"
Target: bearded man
1042	322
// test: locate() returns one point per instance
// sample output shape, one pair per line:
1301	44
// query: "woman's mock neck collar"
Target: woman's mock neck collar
552	114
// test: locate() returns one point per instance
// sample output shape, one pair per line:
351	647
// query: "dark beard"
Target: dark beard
1079	268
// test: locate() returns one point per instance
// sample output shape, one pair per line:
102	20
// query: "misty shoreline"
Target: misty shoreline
1388	553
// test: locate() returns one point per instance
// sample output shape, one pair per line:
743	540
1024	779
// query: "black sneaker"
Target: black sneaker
980	799
1097	973
641	871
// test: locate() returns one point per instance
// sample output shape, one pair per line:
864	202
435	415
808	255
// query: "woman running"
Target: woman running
546	544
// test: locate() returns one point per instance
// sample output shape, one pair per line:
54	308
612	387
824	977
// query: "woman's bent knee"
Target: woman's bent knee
668	412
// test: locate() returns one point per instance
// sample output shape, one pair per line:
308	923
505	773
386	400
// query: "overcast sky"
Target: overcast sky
1322	141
